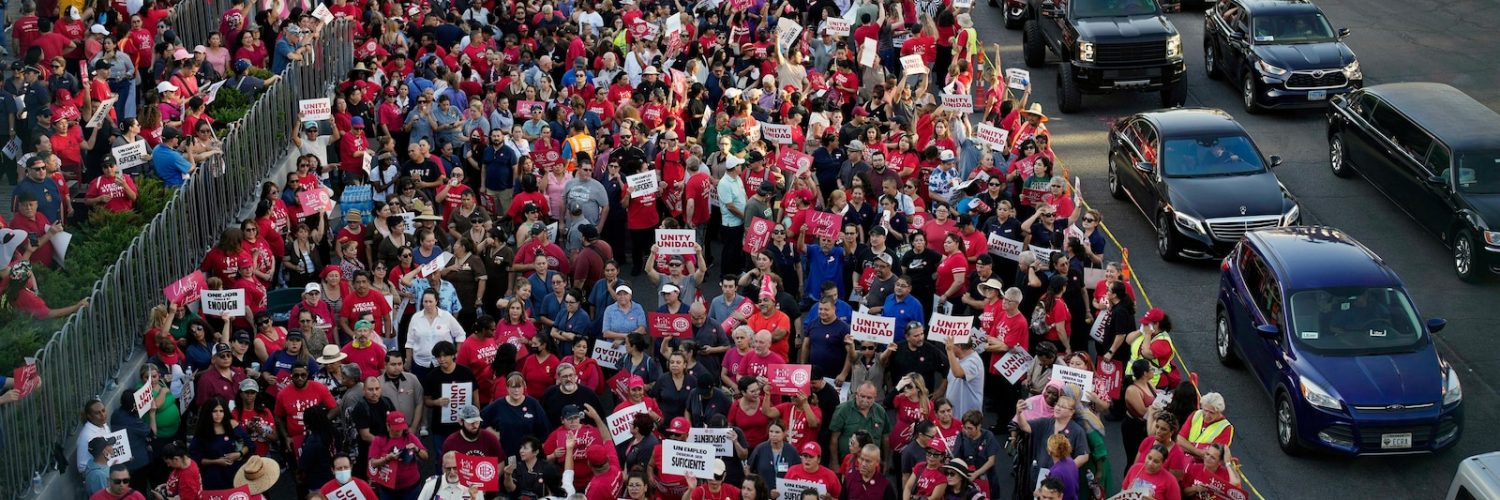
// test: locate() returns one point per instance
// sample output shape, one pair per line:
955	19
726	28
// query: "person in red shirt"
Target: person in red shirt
803	418
1011	330
223	260
184	481
714	488
607	478
578	437
758	362
812	470
343	477
364	352
669	486
1213	479
25	28
53	44
769	318
353	147
304	393
365	300
114	192
36	225
119	486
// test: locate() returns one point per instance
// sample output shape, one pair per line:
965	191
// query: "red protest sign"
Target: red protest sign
793	162
186	290
240	493
481	472
27	378
523	108
669	325
918	220
1108	377
824	224
757	235
790	380
313	201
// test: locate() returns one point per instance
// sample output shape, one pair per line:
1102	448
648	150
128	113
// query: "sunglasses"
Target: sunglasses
119	480
1049	214
299	375
1090	219
779	231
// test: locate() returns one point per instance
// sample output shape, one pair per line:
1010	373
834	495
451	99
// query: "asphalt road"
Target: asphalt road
1396	40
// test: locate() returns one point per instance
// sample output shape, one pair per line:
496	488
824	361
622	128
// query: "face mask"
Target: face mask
343	476
532	349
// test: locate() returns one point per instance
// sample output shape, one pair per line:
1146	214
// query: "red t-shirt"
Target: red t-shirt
778	320
370	359
372	302
587	435
539	374
333	484
292	401
921	44
1176	458
754	426
798	432
476	353
698	189
755	365
671	486
1162	485
29	303
641	214
37	227
726	492
1058	314
948	268
1013	331
824	476
1216	483
226	266
605	486
185	483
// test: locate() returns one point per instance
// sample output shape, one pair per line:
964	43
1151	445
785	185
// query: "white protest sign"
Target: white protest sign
1070	375
552	232
1017	78
438	263
101	112
1014	364
913	65
408	222
1134	494
996	137
681	458
791	489
674	26
838	26
963	4
721	439
60	242
871	328
130	155
780	134
323	14
121	444
144	400
212	92
1005	247
12	148
215	303
942	326
787	32
608	355
867	53
619	422
676	242
349	491
642	184
962	103
315	109
459	395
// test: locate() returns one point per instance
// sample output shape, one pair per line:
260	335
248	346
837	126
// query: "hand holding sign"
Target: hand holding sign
913	65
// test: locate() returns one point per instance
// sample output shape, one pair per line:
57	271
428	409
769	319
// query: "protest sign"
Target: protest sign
787	33
757	235
314	202
1014	364
217	303
1005	247
101	112
1017	78
120	447
867	53
721	439
408	222
60	242
13	148
1110	376
551	232
436	264
824	224
187	289
790	380
997	138
1070	375
144	400
791	489
963	4
608	355
315	109
642	184
241	492
523	108
681	458
349	491
459	395
619	422
27	378
130	155
943	326
480	472
962	103
676	242
871	328
794	163
777	133
323	14
913	65
838	26
1133	494
669	325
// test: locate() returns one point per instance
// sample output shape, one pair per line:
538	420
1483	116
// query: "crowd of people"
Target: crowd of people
487	226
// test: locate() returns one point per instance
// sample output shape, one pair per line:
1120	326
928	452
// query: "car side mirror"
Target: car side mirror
1275	161
1343	33
1436	180
1269	331
1144	166
1435	325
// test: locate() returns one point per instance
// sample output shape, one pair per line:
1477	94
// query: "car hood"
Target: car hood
1142	28
1487	206
1214	197
1384	379
1307	56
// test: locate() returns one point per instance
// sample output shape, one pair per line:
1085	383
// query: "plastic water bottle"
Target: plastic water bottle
36	484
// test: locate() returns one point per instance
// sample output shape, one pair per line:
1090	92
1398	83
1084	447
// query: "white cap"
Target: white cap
623	288
164	87
670	288
946	155
98	29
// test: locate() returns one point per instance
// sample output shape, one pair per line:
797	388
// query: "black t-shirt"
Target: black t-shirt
367	415
432	387
555	399
927	360
425	170
531	481
922	269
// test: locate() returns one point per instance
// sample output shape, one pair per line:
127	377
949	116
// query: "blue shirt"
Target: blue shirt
578	323
170	165
447	295
616	320
732	194
280	60
823	266
905	311
841	310
497	163
49	198
826	343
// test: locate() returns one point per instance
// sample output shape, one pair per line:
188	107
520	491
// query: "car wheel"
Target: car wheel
1015	17
1166	238
1465	261
1248	94
1211	62
1286	426
1033	47
1174	94
1338	162
1224	341
1069	98
1115	189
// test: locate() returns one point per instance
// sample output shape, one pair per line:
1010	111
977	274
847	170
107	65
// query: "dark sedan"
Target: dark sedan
1279	53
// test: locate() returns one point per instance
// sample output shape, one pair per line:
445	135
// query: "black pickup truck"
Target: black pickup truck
1107	46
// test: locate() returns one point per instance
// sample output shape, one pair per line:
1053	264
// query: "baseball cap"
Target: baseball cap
623	288
572	411
468	414
1155	315
164	87
635	381
241	65
670	288
946	155
221	348
395	421
679	425
249	384
170	133
811	448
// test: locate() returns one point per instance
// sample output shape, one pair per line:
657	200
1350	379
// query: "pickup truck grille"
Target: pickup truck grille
1230	229
1312	80
1131	53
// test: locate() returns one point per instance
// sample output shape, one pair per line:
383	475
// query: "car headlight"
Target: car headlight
1492	238
1453	391
1317	396
1291	215
1268	69
1190	222
1352	71
1086	51
1174	47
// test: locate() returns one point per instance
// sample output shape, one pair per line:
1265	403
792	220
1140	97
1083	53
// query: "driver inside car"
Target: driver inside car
1358	314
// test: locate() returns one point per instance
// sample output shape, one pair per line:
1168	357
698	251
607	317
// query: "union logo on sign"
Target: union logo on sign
239	495
680	324
485	471
800	377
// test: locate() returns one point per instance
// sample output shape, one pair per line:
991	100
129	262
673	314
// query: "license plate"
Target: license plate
1395	441
1132	83
1317	95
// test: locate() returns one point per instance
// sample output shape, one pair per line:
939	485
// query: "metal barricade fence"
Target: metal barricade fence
194	20
85	358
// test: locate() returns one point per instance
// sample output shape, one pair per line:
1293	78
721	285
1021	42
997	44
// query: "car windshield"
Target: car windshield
1479	172
1355	321
1211	156
1301	27
1113	8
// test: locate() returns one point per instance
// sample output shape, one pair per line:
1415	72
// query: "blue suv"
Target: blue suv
1331	334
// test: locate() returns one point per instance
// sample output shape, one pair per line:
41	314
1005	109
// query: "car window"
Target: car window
1145	140
1211	156
1292	28
1401	131
1479	172
1437	160
1263	287
1113	8
1355	321
1364	105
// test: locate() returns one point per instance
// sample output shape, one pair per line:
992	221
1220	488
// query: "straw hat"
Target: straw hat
1036	110
260	473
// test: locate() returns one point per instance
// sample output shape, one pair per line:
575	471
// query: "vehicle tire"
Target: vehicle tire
1248	92
1015	18
1033	47
1211	62
1116	189
1069	98
1338	157
1465	257
1286	426
1166	239
1174	94
1224	342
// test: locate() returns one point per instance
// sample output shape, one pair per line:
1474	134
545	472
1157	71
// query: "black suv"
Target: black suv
1198	177
1107	46
1280	53
1435	152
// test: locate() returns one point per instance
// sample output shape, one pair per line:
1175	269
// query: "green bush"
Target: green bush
99	243
229	106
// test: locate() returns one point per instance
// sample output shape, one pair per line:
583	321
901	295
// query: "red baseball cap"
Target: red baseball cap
634	381
395	421
1155	315
812	448
679	425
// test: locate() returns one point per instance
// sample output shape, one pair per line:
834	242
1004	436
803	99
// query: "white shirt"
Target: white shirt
423	333
88	433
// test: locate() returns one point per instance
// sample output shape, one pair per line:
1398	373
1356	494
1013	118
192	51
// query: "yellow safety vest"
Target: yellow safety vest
1198	434
1135	353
